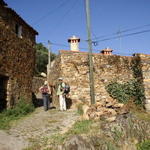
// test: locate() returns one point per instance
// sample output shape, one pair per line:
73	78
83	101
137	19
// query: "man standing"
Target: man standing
45	90
61	94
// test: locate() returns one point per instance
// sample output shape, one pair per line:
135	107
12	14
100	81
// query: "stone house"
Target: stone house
73	66
17	57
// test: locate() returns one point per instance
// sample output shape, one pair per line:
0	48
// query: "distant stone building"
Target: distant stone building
17	57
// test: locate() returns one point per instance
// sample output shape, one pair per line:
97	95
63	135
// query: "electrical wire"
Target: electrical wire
115	37
63	45
96	50
125	35
58	44
68	11
51	12
123	31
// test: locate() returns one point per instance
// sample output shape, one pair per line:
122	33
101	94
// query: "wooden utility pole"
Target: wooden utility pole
49	59
91	77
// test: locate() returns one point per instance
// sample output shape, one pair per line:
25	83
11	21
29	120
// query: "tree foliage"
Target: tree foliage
42	58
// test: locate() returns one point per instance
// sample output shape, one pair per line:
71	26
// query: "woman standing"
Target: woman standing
45	90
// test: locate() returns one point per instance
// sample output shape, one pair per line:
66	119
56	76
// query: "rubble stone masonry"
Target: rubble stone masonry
11	18
37	82
145	73
74	68
17	60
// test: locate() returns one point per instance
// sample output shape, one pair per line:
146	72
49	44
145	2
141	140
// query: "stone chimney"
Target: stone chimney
107	51
74	43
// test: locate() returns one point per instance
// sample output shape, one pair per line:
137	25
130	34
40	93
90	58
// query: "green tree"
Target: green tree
42	58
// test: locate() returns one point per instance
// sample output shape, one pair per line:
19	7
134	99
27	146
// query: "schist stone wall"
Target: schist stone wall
37	82
74	68
17	57
17	61
16	23
144	64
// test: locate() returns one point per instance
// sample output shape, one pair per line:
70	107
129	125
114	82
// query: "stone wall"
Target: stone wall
145	76
55	73
74	68
12	19
37	82
17	61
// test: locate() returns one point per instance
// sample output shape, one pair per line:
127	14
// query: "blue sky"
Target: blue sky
57	20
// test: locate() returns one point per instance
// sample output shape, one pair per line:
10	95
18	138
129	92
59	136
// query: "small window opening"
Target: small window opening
18	30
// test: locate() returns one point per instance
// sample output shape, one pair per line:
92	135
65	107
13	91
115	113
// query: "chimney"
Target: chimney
74	43
107	51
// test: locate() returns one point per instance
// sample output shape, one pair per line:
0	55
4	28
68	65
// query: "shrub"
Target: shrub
117	91
144	145
124	92
21	109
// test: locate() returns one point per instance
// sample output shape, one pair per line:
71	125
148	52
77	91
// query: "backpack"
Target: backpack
66	88
44	90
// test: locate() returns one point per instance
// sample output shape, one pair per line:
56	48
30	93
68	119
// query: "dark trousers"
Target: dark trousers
46	102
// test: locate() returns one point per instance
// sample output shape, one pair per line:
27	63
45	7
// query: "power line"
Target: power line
115	37
135	28
63	45
59	23
123	31
96	50
125	35
58	44
68	11
50	12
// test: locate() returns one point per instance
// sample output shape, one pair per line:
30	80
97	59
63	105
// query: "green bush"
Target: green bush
144	145
124	92
117	91
21	109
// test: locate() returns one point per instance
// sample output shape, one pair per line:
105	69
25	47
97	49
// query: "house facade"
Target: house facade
17	57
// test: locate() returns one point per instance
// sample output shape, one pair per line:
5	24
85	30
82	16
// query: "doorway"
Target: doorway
3	92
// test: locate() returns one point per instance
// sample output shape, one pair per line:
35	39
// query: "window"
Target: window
18	30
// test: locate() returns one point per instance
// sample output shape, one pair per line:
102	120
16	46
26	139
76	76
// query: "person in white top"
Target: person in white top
61	94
